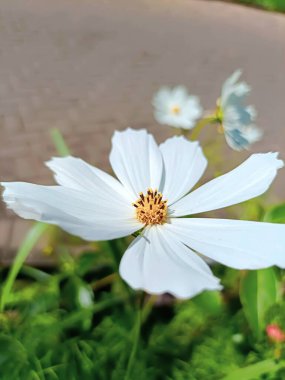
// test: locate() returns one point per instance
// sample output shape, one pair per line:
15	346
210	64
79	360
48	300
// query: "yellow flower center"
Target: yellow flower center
175	110
219	111
150	208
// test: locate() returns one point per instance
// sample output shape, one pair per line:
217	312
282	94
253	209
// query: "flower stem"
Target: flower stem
29	242
115	250
148	308
136	334
116	253
105	281
200	125
185	133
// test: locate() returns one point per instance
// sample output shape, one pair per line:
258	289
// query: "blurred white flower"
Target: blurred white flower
242	138
85	297
176	107
237	119
152	195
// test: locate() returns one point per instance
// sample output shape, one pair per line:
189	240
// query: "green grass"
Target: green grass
79	320
271	5
66	323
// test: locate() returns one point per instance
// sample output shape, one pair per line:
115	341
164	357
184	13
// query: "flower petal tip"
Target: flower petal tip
278	162
55	160
4	186
271	158
129	131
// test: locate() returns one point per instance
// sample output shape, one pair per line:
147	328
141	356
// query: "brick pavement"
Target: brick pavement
89	67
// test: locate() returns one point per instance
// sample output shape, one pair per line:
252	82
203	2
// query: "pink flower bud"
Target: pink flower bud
275	334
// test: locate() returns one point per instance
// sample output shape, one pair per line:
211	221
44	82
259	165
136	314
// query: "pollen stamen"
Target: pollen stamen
150	208
175	110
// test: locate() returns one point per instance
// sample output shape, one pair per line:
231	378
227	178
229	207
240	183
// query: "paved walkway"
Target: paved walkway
89	67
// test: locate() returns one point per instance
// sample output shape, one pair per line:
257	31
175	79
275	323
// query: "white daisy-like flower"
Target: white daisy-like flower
237	119
152	195
176	107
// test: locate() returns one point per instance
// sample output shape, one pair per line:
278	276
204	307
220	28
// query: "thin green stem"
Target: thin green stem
24	250
201	124
148	308
59	142
185	132
116	253
104	281
136	334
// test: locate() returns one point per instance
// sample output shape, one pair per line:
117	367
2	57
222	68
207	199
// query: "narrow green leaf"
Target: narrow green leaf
33	235
28	244
254	371
258	291
276	214
59	143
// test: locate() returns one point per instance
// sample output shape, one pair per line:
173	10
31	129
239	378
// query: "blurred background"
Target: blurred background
89	67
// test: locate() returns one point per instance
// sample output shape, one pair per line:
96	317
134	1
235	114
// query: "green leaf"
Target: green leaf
258	291
209	301
254	371
59	143
10	347
276	214
31	239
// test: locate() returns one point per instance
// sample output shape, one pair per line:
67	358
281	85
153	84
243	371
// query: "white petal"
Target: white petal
235	243
161	98
231	81
179	94
136	160
184	164
232	89
77	174
241	89
252	178
79	213
252	112
252	134
190	111
243	137
227	87
193	108
158	263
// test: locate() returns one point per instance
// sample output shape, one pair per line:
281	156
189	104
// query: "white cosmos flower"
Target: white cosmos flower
176	107
152	193
238	120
